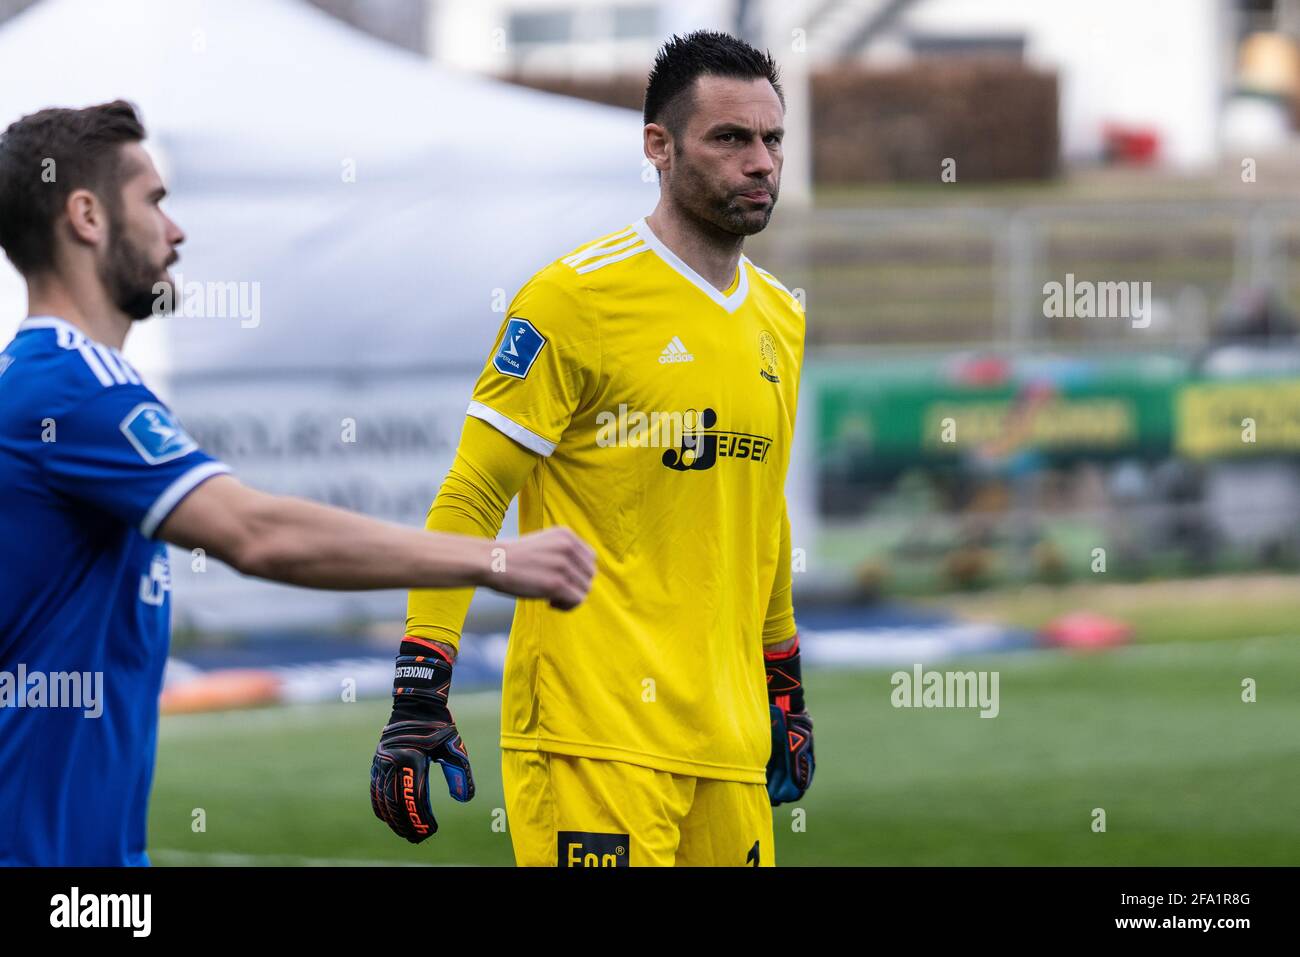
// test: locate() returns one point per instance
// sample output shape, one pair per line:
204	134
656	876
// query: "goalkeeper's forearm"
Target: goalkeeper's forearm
779	628
781	646
487	473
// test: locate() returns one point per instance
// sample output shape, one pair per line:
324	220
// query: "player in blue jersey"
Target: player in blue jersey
96	474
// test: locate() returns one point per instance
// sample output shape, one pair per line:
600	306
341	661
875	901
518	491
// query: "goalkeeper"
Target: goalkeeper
642	390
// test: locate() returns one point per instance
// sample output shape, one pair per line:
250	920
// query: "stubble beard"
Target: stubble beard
703	201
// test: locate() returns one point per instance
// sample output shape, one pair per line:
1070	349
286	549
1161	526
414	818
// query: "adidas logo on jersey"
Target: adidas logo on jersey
675	352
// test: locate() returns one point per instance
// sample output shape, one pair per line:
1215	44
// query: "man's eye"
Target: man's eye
727	137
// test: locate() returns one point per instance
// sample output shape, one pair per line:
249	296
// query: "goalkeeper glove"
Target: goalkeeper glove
420	731
790	768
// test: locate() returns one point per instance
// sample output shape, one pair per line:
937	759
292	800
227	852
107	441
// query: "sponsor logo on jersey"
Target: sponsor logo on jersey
519	349
702	448
675	352
690	441
592	849
767	356
154	432
157	582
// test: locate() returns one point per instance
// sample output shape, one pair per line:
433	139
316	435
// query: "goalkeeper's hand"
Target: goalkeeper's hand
420	731
791	765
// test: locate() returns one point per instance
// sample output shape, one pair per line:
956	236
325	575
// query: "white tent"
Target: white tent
378	211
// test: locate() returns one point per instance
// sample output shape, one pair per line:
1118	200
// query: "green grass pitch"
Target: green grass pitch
1157	735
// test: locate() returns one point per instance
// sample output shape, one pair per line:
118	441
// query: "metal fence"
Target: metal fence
977	275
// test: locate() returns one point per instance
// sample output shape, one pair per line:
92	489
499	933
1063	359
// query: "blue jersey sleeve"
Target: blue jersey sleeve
123	451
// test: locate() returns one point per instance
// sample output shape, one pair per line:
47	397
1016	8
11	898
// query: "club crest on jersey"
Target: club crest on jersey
520	347
767	356
155	434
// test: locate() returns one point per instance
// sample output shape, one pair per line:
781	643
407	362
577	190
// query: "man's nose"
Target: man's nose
758	160
175	235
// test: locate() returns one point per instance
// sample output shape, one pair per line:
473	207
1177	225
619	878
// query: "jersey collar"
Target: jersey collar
730	302
67	333
62	326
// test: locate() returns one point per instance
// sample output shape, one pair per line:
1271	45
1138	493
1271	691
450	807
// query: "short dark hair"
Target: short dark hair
83	146
682	60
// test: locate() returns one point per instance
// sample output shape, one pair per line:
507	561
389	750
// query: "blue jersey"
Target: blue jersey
91	463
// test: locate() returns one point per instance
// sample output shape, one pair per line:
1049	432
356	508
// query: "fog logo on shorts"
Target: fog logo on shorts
590	849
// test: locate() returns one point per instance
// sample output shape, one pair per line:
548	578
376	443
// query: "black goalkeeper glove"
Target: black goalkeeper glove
420	731
790	768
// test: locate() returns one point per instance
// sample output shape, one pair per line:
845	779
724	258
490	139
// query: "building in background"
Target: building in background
1164	81
1154	69
582	38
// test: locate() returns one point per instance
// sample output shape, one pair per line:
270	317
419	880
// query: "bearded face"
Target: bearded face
132	276
726	154
710	193
141	241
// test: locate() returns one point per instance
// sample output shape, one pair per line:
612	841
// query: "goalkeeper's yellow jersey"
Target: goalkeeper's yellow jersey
664	410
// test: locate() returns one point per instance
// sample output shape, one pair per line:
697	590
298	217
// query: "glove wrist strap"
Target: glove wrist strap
421	680
785	678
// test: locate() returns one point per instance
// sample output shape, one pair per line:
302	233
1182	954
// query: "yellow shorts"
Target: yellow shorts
583	812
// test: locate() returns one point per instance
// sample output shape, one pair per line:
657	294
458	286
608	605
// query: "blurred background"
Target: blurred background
1050	412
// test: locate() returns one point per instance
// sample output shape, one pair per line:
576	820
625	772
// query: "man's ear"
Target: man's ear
658	144
86	216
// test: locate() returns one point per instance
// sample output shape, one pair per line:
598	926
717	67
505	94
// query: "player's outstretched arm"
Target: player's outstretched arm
304	543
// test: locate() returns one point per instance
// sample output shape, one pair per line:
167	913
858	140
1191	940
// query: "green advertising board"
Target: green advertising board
880	416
